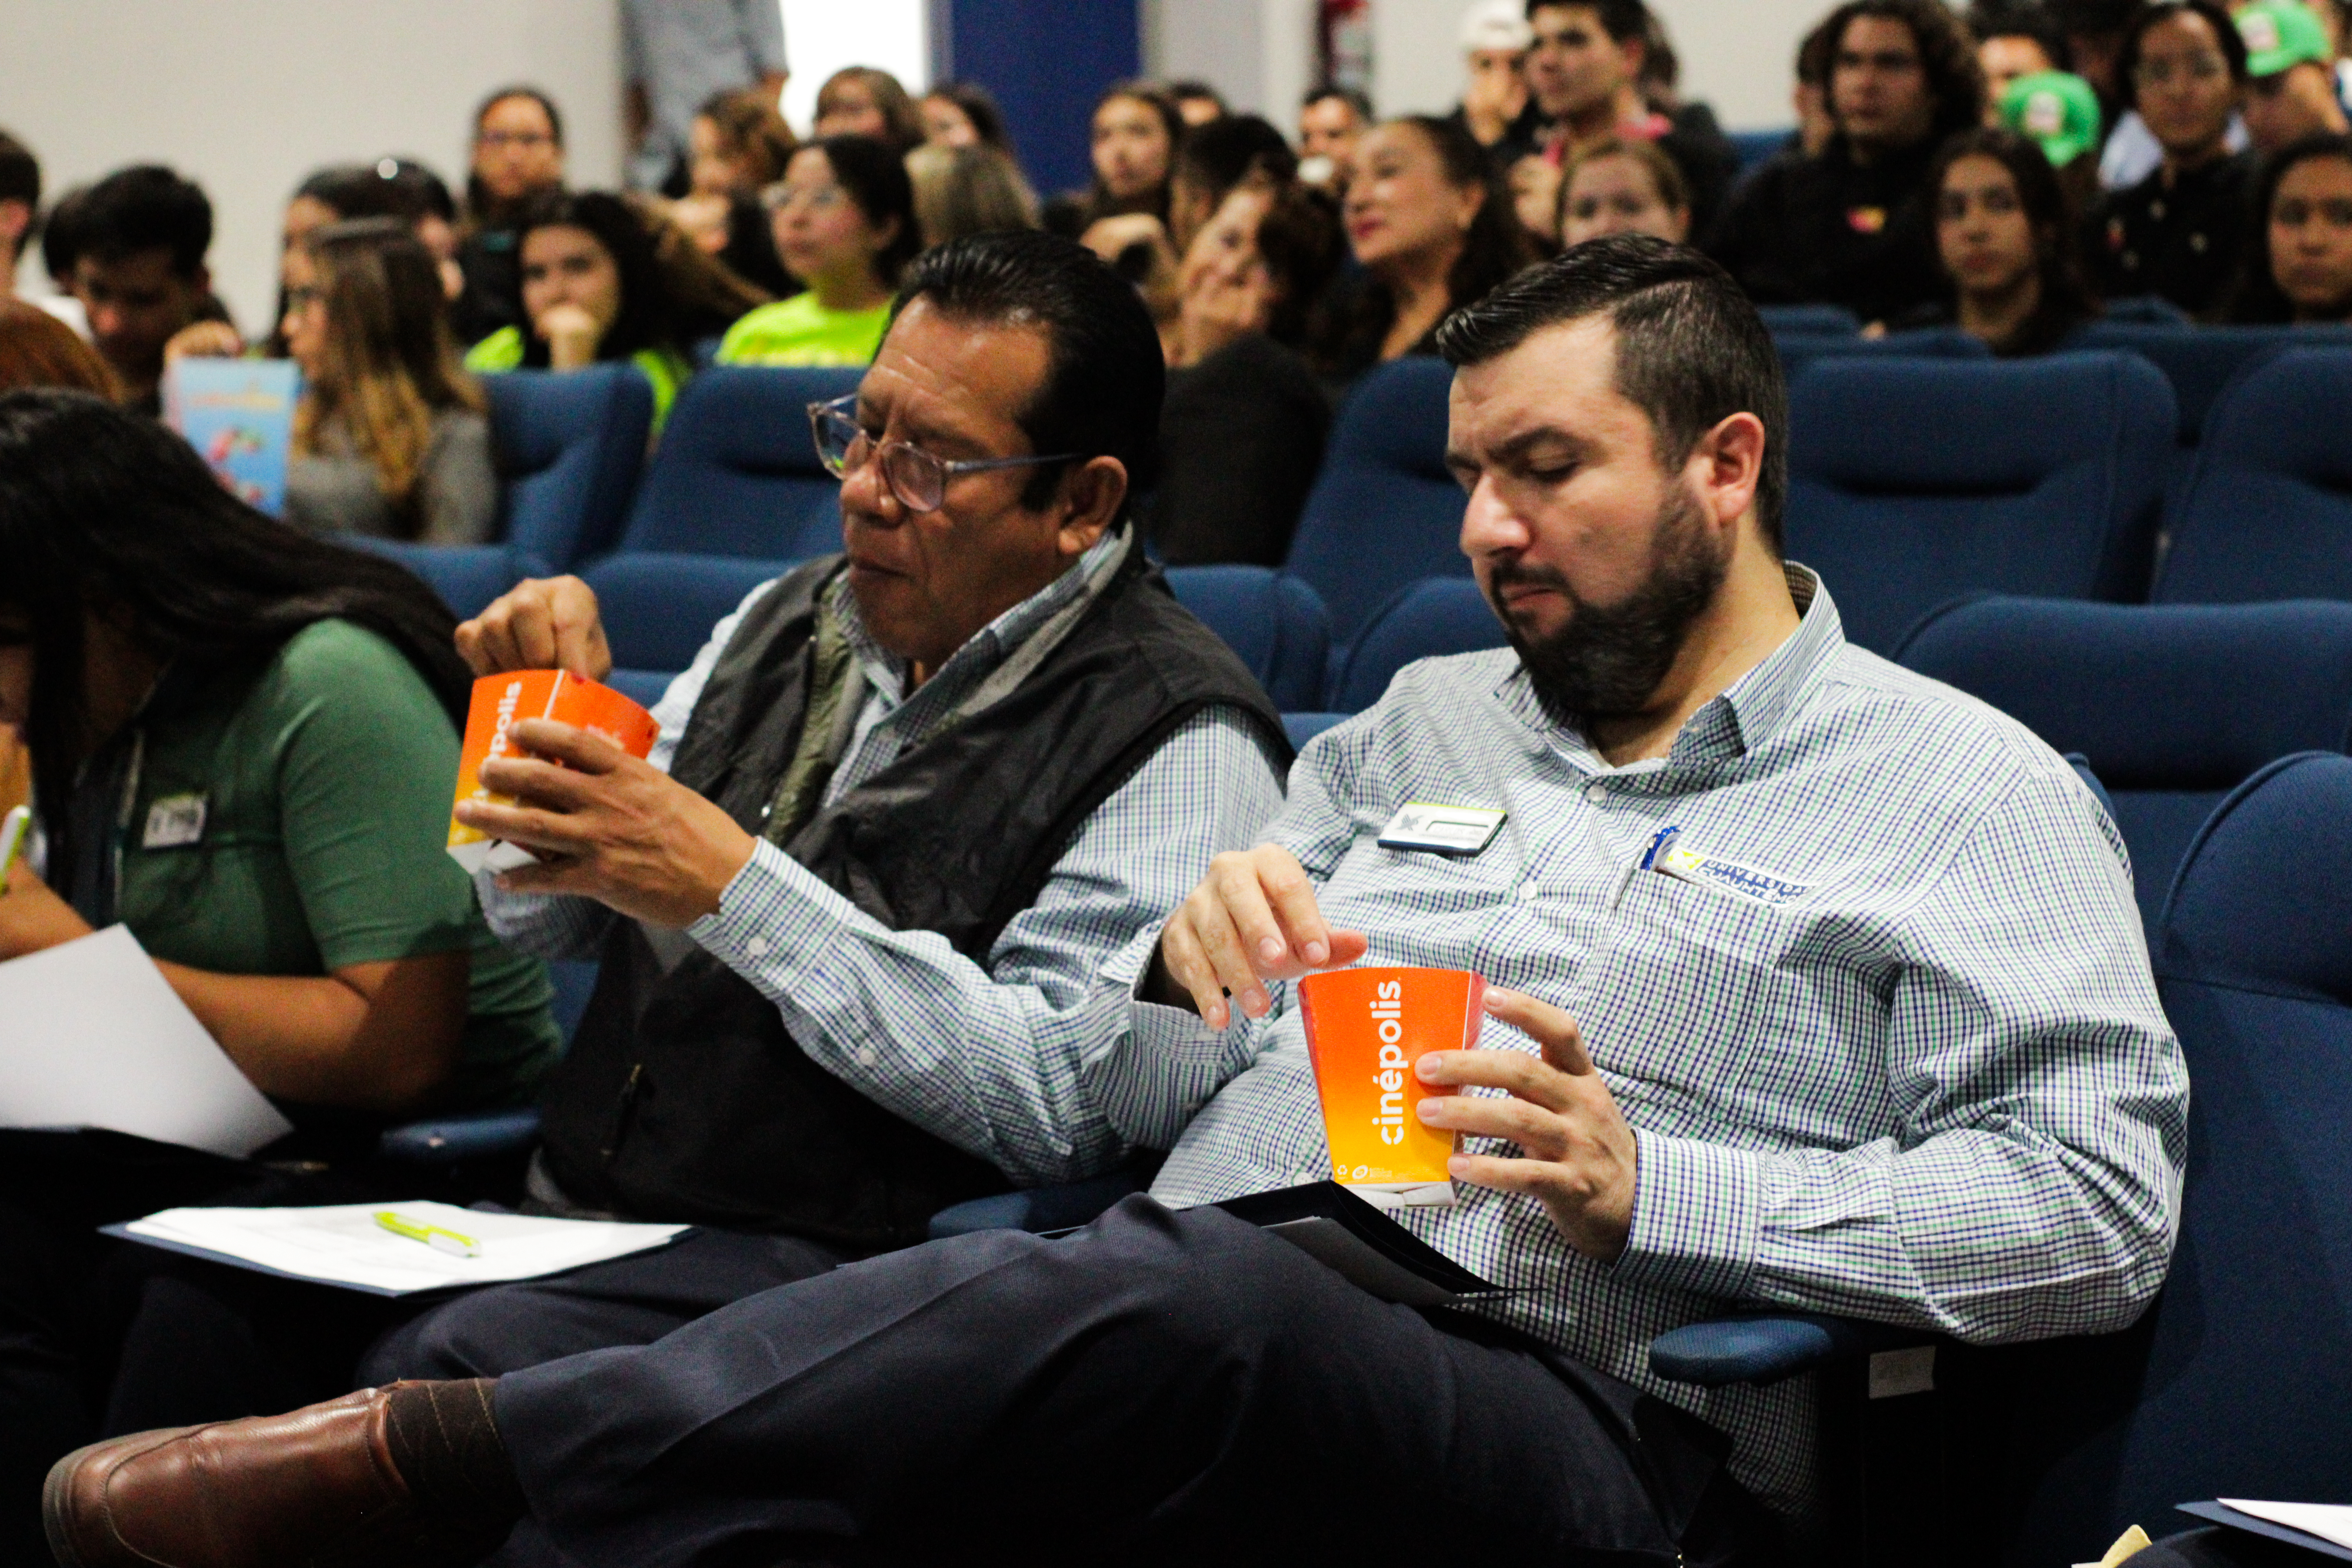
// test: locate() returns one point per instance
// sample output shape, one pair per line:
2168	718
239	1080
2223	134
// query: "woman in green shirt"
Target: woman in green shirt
845	223
592	289
244	741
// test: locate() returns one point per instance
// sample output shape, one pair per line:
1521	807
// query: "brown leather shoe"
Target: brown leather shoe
316	1487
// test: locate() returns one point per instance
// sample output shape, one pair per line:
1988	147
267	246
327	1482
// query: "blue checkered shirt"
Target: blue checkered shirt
1935	1089
991	1058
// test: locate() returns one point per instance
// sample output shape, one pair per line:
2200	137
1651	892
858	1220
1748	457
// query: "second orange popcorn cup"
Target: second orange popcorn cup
499	700
1365	1029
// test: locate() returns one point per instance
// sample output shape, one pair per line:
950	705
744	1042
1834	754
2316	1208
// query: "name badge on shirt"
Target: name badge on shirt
1446	829
175	821
1670	857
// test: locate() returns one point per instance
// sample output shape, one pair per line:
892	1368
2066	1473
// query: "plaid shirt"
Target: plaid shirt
990	1057
1934	1088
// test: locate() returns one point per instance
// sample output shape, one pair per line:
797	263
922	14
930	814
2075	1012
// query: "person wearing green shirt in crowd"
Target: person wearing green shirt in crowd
244	741
592	289
845	225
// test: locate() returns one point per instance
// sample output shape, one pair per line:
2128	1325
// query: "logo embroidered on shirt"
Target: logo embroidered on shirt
1865	220
1671	857
175	821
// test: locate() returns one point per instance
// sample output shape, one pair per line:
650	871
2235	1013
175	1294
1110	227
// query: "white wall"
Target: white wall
245	97
822	35
1259	53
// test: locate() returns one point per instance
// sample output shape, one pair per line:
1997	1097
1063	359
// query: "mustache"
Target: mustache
1523	574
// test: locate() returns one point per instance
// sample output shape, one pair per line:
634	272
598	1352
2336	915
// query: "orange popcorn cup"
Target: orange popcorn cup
1365	1029
499	700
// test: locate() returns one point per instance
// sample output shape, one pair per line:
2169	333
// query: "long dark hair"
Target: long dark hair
2257	296
101	510
1099	202
2066	300
648	316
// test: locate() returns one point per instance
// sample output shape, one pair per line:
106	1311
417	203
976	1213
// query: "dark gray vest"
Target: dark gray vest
684	1098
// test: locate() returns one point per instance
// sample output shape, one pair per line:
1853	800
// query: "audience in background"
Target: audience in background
865	101
389	437
591	289
1533	185
160	644
1495	39
2015	38
1432	232
2291	90
2005	234
39	349
740	147
2299	261
1197	103
964	114
2058	112
2179	232
517	155
844	219
139	239
1809	96
1133	137
1212	160
970	189
1623	187
1242	431
1332	120
422	197
679	55
20	204
1852	226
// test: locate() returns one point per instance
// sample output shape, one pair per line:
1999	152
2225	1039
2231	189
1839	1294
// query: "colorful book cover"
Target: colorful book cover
238	414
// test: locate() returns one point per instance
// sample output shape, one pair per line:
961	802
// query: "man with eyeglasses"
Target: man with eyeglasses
2178	232
904	804
1852	226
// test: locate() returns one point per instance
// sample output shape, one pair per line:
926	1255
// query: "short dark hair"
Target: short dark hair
1223	153
146	207
980	107
874	176
1691	350
20	180
1188	87
1621	19
1354	98
1946	57
2158	12
521	90
1106	374
2014	19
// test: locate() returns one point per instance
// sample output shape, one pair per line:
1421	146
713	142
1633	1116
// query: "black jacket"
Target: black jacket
1826	229
2183	242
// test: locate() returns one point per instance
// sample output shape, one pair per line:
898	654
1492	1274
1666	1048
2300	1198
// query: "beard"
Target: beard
1608	661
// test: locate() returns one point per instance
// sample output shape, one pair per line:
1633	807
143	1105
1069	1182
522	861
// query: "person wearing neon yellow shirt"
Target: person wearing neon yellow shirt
591	291
843	217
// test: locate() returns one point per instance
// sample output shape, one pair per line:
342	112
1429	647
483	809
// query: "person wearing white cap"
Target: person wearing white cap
1495	39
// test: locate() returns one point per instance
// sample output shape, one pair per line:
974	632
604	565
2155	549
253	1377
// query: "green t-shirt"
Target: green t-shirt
799	330
502	351
325	780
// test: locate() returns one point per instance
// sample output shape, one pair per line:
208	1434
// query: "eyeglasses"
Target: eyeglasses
301	297
819	198
2196	68
514	139
918	479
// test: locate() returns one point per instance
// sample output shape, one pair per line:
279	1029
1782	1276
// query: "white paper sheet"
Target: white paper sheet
2329	1521
92	1035
342	1243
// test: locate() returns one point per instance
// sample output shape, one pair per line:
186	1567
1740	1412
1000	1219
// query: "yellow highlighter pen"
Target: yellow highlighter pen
432	1235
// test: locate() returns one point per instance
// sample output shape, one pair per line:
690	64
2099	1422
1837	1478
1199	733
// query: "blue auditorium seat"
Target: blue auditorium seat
2147	310
1757	148
1275	622
1914	480
466	576
658	609
1801	352
569	446
1304	727
2268	509
1440	616
1810	320
737	470
1385	511
2159	699
2199	362
2246	1374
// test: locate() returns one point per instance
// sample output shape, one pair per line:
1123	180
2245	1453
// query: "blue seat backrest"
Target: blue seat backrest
737	470
1276	624
2199	362
1914	480
1384	511
1810	320
2268	513
568	448
2248	1369
2173	706
466	576
2147	310
1801	351
1757	148
658	609
1442	615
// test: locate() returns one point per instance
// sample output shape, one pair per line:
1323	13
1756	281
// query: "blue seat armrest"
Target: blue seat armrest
445	1140
1057	1208
1764	1347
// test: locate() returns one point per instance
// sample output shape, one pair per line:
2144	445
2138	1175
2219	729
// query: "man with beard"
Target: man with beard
1817	985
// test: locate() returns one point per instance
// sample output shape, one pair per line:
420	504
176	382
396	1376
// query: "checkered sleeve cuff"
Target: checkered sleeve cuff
1698	1216
775	925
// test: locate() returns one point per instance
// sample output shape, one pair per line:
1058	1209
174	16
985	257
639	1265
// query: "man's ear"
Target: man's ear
1090	499
1729	460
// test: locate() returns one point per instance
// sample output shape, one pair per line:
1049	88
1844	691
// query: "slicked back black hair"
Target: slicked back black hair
1691	350
1105	374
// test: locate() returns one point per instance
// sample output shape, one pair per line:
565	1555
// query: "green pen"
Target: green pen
13	830
432	1235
